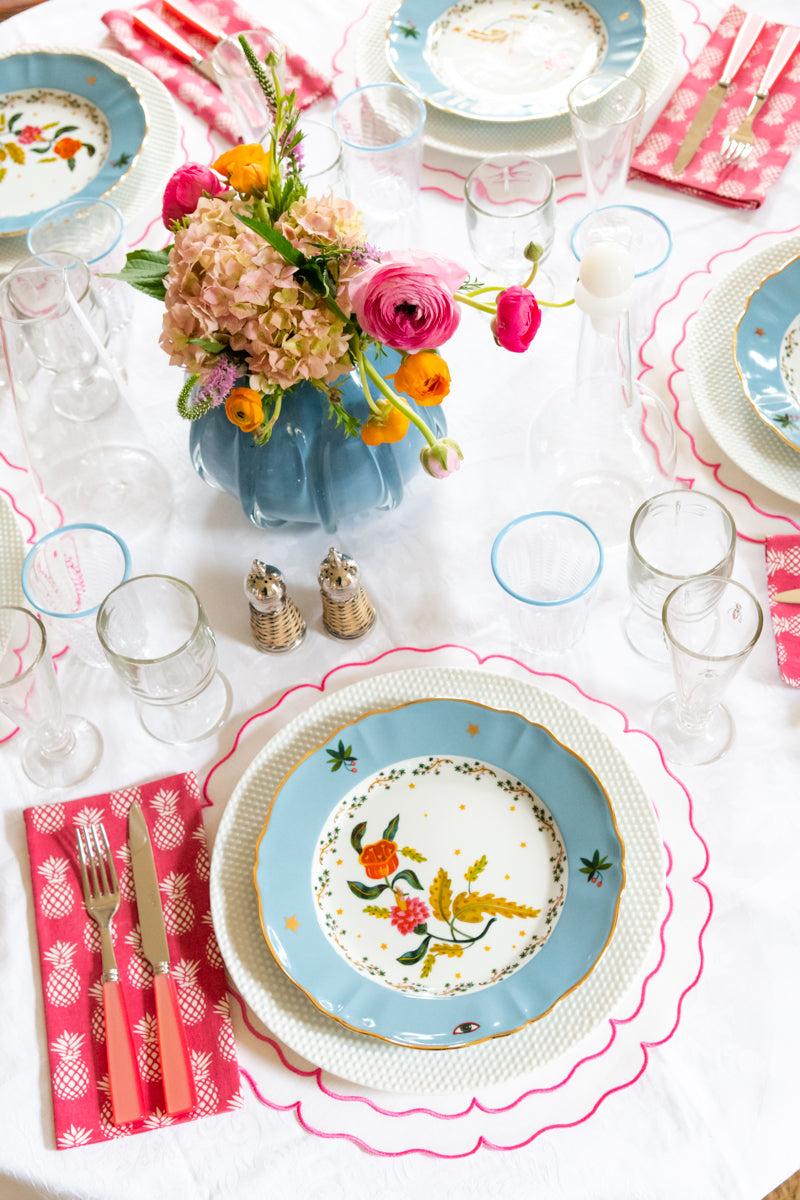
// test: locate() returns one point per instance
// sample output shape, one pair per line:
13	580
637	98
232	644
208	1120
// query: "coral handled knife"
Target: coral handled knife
176	1069
163	33
745	40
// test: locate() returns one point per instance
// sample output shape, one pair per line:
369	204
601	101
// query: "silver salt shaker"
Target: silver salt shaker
346	609
276	623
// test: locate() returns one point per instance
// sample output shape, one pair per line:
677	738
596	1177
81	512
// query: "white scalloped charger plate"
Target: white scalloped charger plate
293	1017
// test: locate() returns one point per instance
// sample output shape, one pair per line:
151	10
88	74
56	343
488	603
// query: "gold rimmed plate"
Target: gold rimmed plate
439	873
70	126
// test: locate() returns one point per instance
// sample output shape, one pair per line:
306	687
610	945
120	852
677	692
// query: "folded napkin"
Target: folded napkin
69	957
777	127
783	572
197	93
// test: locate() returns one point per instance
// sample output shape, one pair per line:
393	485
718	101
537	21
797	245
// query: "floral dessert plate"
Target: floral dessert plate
439	873
766	348
510	60
70	126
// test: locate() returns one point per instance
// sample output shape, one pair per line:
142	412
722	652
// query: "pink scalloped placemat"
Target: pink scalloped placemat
566	1092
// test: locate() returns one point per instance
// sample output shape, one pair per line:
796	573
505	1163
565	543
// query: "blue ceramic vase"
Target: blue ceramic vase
309	471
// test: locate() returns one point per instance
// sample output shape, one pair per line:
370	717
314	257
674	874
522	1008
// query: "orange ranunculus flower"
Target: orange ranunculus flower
244	408
390	426
67	147
379	859
423	376
246	168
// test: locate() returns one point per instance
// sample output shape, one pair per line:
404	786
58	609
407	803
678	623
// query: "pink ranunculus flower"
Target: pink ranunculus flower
415	913
184	190
406	300
518	319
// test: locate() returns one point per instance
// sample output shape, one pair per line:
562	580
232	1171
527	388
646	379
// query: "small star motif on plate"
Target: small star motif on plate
523	845
292	923
456	852
462	807
759	332
472	730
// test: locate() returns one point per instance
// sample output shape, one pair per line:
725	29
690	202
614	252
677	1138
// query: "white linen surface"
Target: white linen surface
715	1112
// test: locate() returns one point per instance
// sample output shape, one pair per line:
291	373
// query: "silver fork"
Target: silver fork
101	899
738	146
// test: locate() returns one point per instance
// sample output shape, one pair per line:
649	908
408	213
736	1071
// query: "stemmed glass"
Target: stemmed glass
711	624
60	749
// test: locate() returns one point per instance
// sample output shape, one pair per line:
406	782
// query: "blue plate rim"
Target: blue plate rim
761	300
360	983
125	85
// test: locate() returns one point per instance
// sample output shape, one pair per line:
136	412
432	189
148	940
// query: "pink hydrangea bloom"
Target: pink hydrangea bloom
415	913
227	283
406	300
184	189
518	319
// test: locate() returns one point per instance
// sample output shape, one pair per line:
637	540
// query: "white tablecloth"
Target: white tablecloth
711	1109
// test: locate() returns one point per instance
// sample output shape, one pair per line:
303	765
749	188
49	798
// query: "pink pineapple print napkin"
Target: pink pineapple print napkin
783	572
199	94
777	127
69	956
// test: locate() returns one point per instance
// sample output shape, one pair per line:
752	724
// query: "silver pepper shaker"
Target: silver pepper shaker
346	609
276	623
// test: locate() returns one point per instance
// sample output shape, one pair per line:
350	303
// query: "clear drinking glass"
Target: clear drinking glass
711	624
548	565
606	112
510	201
673	536
59	749
66	576
239	85
56	322
93	231
322	168
382	128
155	633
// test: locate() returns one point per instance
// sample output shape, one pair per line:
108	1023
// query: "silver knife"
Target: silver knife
167	36
792	596
745	39
180	1094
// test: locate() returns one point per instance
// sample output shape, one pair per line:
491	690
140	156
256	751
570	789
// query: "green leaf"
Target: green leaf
210	345
410	877
390	832
365	891
145	270
413	956
275	239
62	129
356	837
89	148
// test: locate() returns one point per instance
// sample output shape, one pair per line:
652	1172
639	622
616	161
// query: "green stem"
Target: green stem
362	371
553	304
466	299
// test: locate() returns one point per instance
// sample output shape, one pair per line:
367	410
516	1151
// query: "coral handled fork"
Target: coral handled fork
101	899
739	145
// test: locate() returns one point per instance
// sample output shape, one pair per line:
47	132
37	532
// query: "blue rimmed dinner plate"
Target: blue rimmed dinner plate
510	60
70	126
439	873
766	349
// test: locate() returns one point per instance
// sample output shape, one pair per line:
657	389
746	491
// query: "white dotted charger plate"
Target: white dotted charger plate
292	1016
715	384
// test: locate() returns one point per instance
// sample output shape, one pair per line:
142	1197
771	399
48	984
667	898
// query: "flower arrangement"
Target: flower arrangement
266	284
